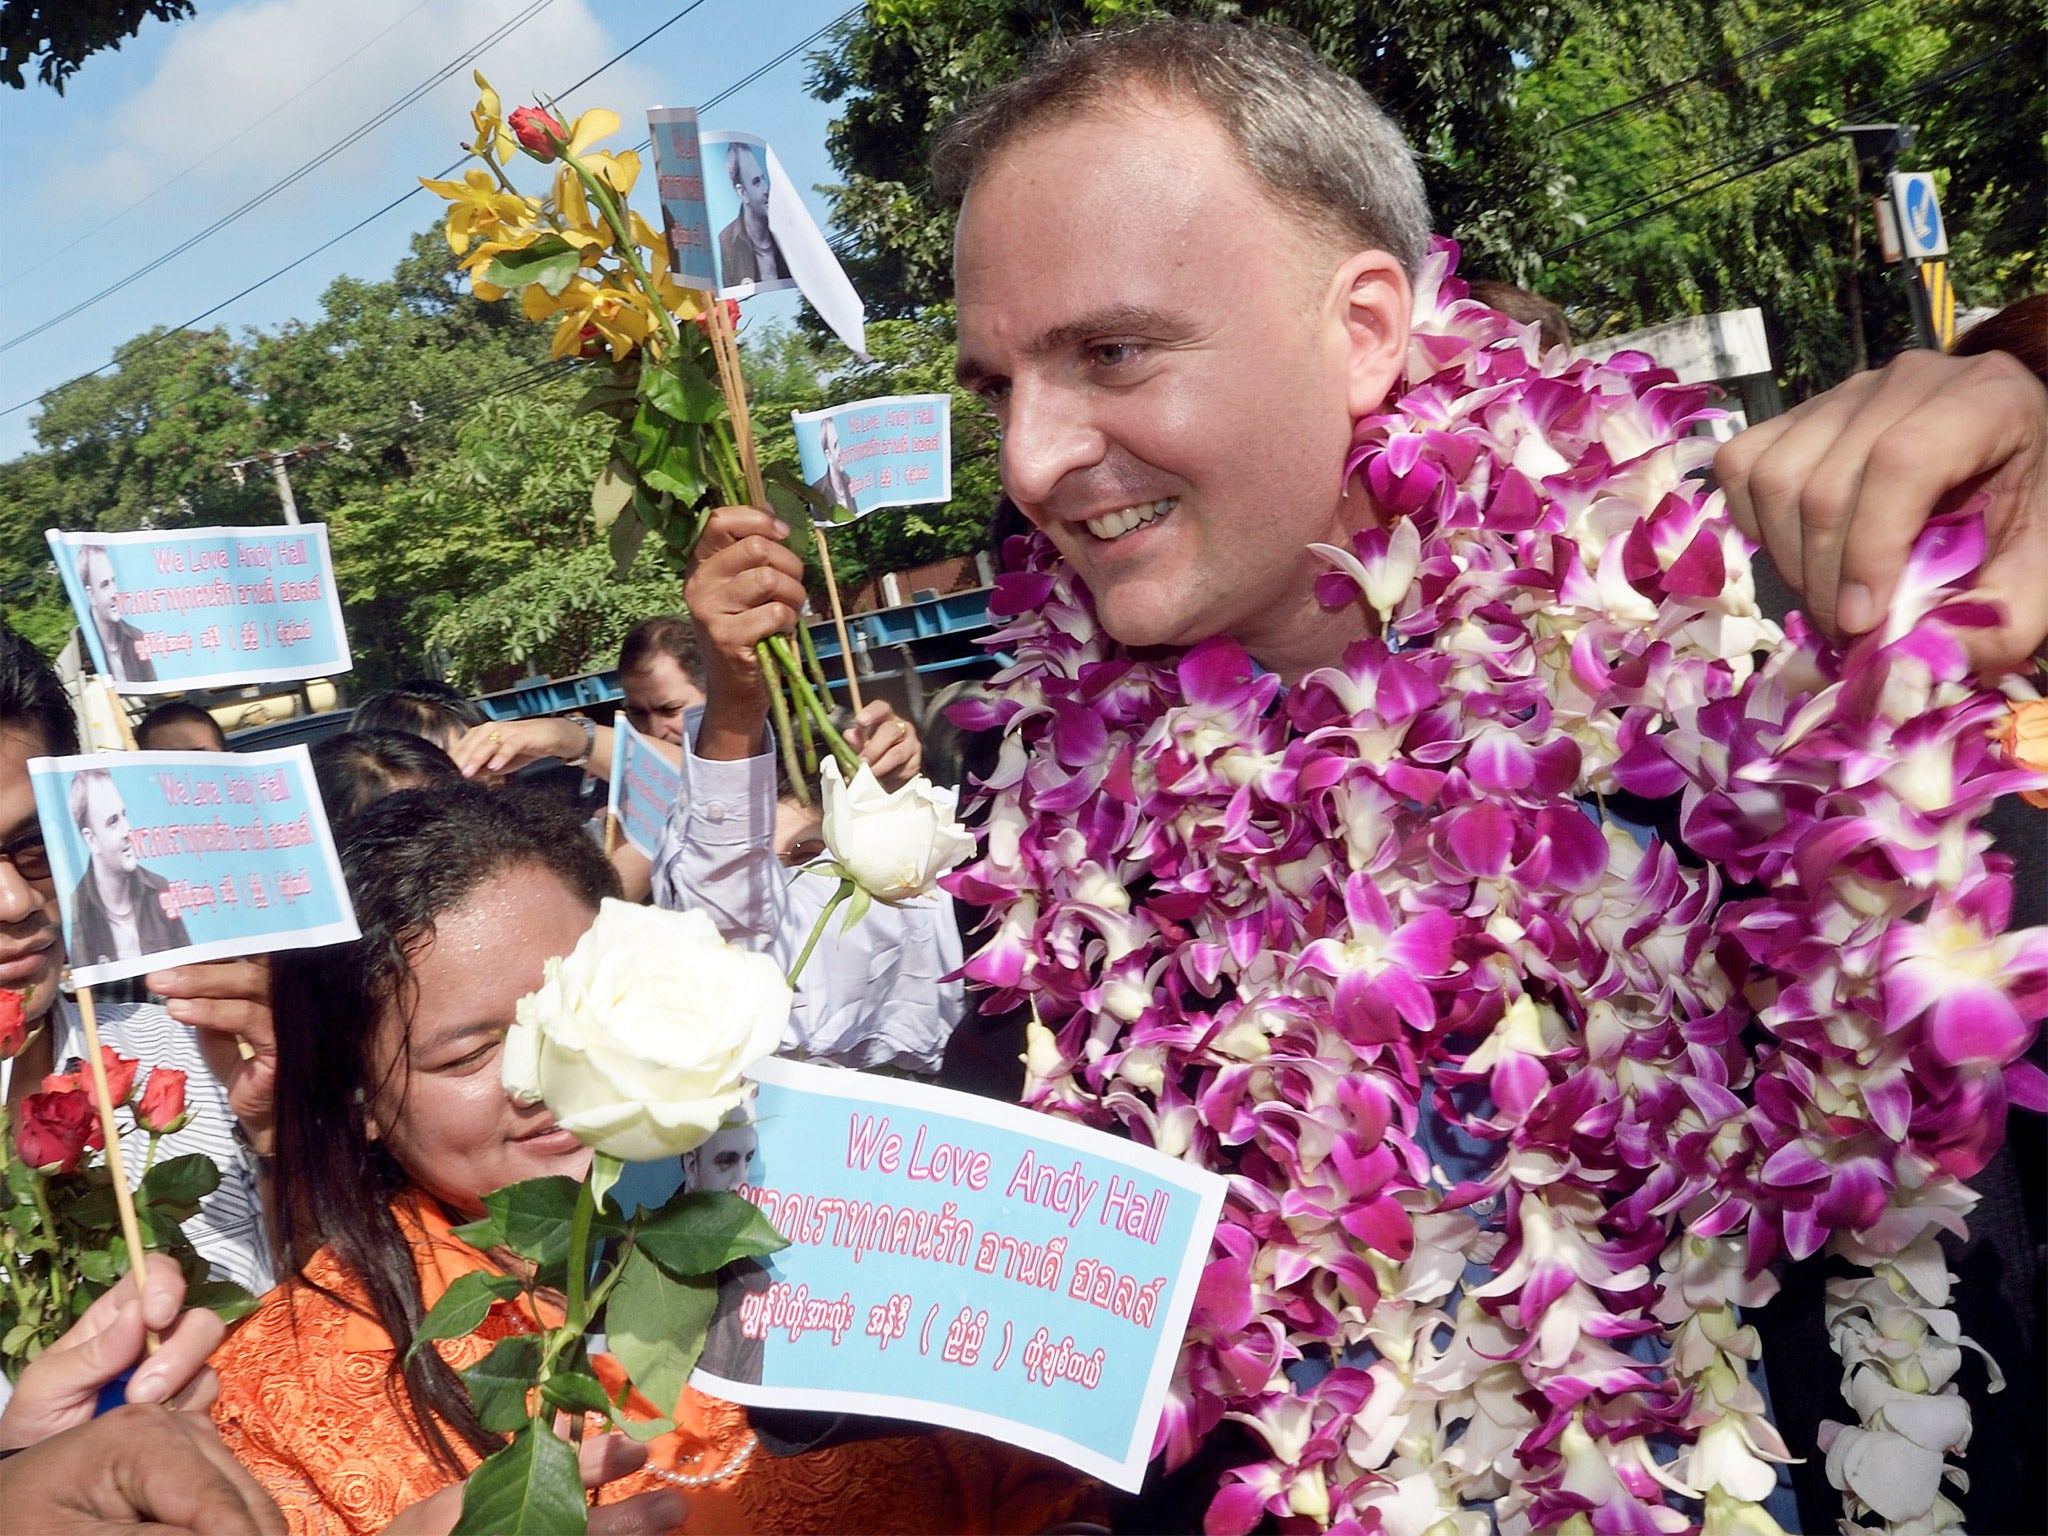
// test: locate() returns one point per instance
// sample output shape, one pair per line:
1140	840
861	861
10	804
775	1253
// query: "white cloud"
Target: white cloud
227	68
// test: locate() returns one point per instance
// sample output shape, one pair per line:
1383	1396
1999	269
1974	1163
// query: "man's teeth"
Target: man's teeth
1114	525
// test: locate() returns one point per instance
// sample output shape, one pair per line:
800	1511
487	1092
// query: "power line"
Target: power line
1673	154
545	373
360	224
1861	114
237	136
299	174
1712	71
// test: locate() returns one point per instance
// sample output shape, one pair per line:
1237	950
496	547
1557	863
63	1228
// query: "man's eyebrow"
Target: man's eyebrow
1120	320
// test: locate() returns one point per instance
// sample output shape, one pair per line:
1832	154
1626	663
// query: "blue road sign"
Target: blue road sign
1922	232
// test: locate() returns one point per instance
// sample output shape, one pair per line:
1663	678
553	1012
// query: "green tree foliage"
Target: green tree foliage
445	456
1448	74
63	34
1637	161
789	370
1705	172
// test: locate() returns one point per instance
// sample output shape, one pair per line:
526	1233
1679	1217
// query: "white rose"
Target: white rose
638	1038
894	845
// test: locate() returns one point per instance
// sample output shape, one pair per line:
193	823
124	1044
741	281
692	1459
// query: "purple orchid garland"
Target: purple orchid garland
1273	936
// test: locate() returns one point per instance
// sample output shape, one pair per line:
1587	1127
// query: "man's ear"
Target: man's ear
1373	303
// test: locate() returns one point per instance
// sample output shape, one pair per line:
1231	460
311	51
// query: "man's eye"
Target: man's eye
1113	354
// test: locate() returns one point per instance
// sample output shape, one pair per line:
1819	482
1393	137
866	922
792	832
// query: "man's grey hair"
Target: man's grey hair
733	151
81	787
1315	139
85	555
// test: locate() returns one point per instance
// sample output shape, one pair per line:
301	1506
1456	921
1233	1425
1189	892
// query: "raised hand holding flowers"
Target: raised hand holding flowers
638	1041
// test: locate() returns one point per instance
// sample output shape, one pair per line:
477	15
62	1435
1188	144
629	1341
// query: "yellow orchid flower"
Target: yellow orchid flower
572	207
593	125
622	319
489	117
480	208
618	172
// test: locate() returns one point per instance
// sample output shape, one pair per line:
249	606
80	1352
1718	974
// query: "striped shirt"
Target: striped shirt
228	1231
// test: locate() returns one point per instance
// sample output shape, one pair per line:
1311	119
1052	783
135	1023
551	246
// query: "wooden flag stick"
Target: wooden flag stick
725	348
611	834
838	618
124	1198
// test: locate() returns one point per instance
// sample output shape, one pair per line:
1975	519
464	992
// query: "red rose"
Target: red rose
13	1023
161	1109
538	134
57	1129
120	1077
732	315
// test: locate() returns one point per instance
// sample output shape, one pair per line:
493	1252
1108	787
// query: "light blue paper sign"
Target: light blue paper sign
204	607
955	1261
679	179
893	451
160	858
645	786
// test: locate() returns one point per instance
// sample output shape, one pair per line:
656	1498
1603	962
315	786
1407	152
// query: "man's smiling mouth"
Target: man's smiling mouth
1114	525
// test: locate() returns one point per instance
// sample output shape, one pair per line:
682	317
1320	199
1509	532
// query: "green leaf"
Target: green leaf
679	390
532	1219
627	533
530	1488
642	1430
499	1382
462	1306
577	1392
177	1185
856	907
656	1324
96	1264
604	1173
230	1302
612	494
669	456
550	261
795	501
699	1232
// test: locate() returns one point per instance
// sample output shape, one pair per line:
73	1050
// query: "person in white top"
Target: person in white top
874	995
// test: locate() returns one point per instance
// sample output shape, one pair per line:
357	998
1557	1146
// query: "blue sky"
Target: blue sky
188	121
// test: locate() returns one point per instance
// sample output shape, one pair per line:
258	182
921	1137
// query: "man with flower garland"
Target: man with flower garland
1347	597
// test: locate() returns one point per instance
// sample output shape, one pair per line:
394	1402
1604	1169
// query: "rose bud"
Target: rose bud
120	1074
161	1109
57	1129
13	1023
540	135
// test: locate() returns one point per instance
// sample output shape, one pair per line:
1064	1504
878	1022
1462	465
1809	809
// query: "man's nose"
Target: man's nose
19	899
1046	436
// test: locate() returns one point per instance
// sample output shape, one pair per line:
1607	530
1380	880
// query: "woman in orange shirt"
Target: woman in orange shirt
392	1124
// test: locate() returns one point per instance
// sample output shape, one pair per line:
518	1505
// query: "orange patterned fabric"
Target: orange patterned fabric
309	1404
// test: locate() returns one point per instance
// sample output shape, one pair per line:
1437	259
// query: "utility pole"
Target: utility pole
280	476
1912	239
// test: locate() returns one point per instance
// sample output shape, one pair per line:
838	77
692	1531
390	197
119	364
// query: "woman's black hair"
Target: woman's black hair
358	768
408	859
421	706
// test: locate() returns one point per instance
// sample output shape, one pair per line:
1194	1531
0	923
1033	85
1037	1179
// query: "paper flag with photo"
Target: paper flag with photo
952	1261
891	451
679	179
164	612
160	858
765	237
